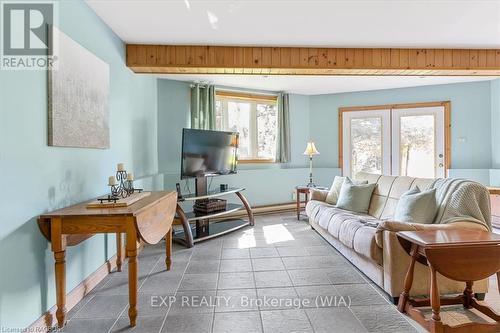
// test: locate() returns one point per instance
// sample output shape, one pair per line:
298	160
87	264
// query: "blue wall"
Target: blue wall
37	178
495	123
316	117
495	133
266	184
470	119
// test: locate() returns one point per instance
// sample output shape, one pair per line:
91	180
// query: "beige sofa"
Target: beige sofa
369	240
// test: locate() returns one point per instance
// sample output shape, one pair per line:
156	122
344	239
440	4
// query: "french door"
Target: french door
400	141
418	142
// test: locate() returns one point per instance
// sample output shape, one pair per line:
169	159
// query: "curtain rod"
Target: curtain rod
242	90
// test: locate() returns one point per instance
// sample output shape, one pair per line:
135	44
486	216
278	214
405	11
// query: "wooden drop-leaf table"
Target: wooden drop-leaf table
149	220
460	255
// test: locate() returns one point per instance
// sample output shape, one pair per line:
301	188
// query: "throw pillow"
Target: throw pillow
355	198
416	206
333	193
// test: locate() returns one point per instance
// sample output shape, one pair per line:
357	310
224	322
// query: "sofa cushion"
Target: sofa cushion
355	198
379	197
365	243
325	215
416	206
400	186
333	193
355	230
348	229
313	207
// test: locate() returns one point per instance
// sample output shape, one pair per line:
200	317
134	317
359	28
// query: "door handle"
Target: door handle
440	155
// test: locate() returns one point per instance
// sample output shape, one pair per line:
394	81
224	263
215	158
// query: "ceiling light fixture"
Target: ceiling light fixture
188	5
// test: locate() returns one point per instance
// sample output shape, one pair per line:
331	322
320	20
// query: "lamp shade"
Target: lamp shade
311	149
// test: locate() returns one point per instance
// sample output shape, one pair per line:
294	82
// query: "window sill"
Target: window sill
257	161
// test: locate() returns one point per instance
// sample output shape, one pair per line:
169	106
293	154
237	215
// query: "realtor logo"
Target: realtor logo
25	34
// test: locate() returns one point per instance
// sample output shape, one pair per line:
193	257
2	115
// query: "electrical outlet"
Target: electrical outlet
294	195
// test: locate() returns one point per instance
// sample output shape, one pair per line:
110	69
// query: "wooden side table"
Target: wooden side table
300	206
460	255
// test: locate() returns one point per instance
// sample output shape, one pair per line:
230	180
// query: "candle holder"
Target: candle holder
123	189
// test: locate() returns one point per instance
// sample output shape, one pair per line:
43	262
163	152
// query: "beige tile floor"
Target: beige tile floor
279	259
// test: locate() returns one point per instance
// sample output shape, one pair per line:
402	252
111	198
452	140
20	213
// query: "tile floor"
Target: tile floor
279	276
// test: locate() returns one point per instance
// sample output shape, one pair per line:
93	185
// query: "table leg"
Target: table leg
59	249
168	249
119	259
60	269
468	294
405	294
297	195
436	324
131	247
498	281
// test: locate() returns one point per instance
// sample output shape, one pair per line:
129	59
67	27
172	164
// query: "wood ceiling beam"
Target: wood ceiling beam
182	59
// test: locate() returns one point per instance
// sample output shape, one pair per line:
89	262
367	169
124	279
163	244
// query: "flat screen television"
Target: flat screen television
208	153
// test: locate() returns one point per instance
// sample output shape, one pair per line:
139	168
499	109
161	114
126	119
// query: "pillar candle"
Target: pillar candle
111	181
120	167
130	176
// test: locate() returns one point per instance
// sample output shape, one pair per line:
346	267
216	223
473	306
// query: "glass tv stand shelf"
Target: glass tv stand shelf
204	228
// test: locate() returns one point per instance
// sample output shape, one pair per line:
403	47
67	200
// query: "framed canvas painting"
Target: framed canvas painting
78	96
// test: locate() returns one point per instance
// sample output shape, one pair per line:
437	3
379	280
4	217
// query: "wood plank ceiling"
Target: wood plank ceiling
183	59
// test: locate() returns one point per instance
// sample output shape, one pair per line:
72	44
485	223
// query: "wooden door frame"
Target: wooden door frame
447	125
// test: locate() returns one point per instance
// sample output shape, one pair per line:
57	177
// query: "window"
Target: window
255	117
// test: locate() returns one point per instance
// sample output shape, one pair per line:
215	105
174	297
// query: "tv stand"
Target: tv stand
204	228
200	184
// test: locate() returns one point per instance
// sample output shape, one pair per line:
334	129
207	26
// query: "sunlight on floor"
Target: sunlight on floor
277	233
246	241
271	234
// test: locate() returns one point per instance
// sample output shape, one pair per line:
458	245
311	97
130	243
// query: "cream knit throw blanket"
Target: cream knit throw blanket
461	200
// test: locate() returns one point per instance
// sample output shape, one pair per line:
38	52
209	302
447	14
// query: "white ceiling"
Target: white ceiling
334	23
316	85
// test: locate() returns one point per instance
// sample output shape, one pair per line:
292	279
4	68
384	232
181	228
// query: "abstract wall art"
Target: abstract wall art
78	88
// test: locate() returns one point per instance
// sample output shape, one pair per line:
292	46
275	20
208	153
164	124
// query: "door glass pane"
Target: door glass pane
266	130
238	120
417	146
366	145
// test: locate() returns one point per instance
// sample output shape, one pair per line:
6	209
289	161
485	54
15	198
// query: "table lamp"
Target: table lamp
310	151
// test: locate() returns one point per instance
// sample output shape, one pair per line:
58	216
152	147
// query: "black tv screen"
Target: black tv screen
208	153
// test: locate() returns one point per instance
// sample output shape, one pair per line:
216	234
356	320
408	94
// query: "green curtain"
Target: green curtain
203	106
283	139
